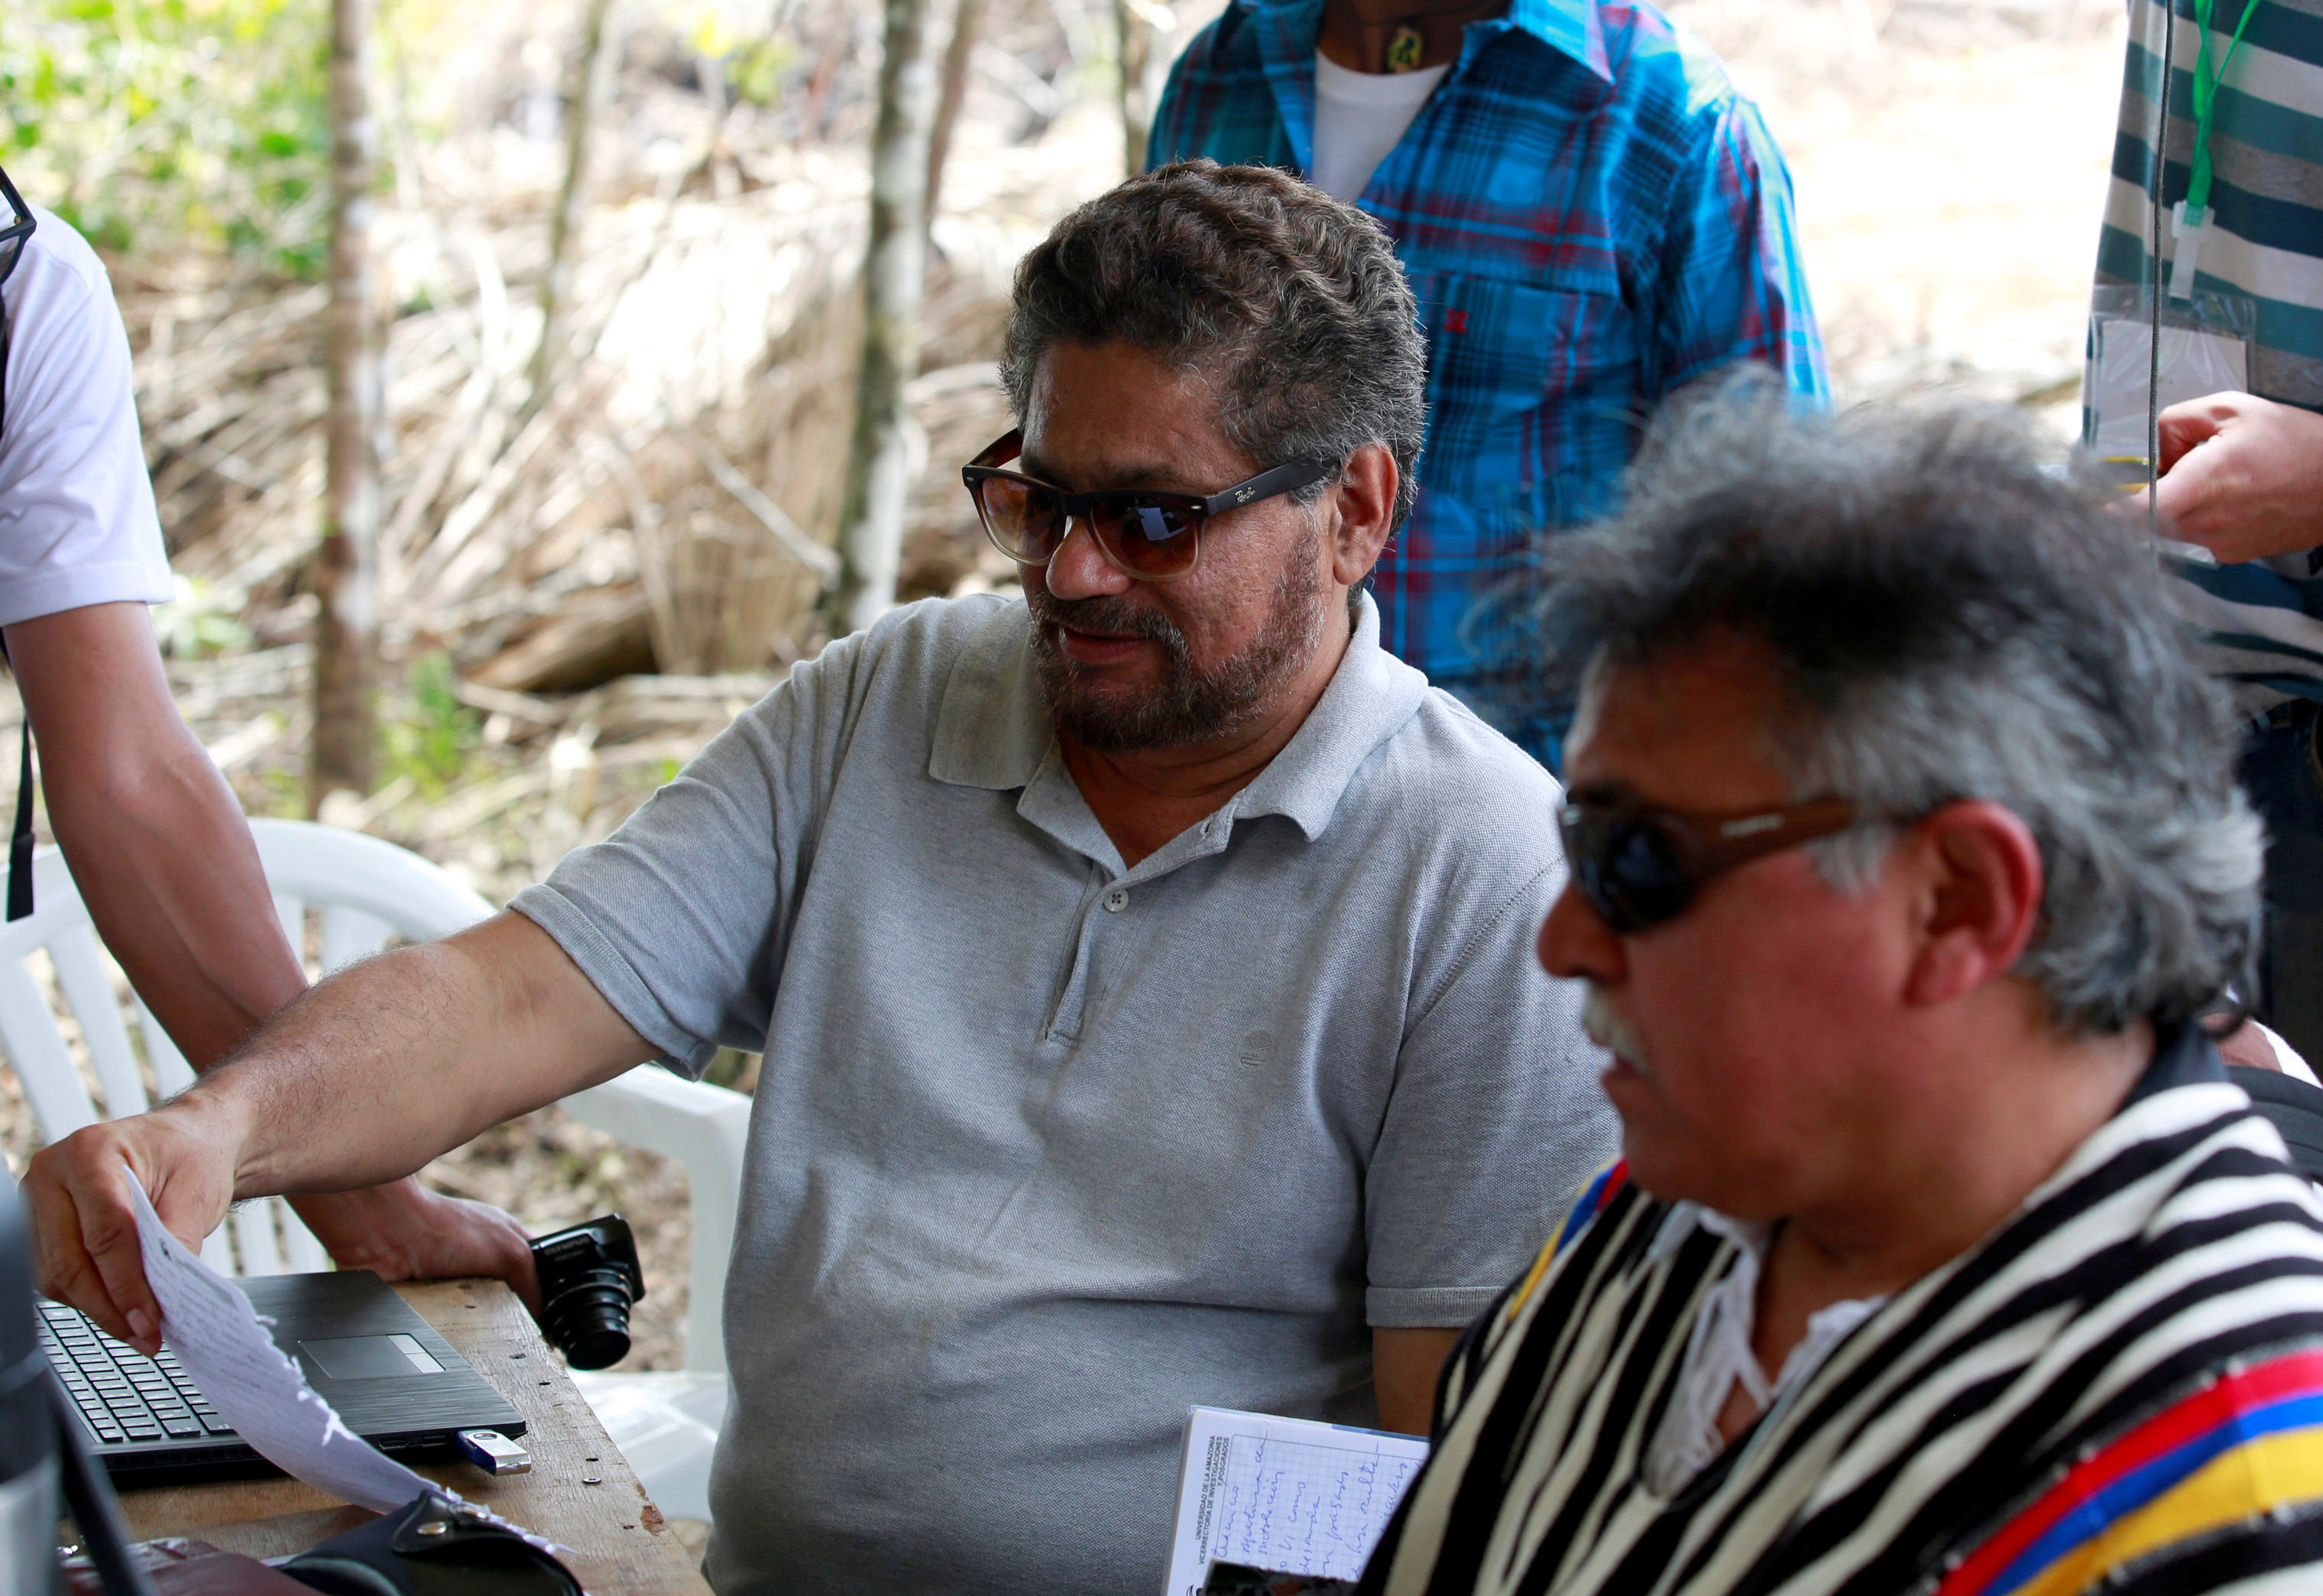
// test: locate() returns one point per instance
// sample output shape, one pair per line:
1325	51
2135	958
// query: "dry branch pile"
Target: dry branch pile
615	572
668	506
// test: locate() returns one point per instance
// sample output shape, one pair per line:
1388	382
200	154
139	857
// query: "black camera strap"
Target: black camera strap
20	840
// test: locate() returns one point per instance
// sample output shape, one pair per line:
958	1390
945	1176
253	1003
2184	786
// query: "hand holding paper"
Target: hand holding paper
84	1240
250	1381
259	1390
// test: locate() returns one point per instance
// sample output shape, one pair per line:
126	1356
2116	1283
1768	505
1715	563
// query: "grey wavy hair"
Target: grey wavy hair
1948	621
1291	304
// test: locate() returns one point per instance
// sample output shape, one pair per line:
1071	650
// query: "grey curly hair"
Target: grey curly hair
1948	621
1293	304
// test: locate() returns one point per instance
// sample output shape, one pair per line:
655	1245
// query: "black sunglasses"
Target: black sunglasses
1143	532
1639	867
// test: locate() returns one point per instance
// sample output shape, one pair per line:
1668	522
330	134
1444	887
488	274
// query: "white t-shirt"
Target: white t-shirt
77	521
1358	118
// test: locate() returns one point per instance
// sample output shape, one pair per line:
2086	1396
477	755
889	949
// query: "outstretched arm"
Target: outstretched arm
362	1080
164	860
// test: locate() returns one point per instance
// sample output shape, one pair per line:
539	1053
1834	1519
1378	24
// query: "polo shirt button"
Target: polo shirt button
1115	901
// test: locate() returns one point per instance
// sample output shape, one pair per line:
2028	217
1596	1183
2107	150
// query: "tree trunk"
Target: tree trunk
871	529
583	92
1139	90
967	19
346	564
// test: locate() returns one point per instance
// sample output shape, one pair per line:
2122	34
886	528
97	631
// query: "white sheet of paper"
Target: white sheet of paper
2194	365
225	1345
218	1338
1288	1494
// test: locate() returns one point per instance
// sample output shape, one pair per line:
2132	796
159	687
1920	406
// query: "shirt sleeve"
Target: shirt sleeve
679	918
1495	1121
1732	286
77	521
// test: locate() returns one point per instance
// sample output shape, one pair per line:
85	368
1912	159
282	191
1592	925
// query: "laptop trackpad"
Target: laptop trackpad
371	1357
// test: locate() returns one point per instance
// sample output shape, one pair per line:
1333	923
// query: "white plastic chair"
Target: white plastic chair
263	1238
368	890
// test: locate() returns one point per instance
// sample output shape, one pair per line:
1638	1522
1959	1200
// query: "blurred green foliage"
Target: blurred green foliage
203	620
285	794
146	123
431	744
756	68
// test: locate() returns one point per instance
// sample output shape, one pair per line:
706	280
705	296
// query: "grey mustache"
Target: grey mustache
1609	1028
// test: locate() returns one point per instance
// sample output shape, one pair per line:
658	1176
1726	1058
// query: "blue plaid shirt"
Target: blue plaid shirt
1591	216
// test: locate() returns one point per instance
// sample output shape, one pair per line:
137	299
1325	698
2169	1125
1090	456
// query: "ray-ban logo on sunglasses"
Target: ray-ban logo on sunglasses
1244	495
1750	825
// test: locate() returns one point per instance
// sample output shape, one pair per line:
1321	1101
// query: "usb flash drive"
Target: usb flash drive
494	1453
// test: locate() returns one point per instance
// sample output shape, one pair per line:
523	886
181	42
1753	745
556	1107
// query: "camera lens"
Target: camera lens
589	1276
590	1318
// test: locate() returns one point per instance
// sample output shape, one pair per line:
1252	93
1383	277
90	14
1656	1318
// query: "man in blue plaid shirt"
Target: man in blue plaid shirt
1591	216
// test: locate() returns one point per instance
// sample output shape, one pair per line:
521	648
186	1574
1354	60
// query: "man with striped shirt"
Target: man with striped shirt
2245	469
1943	1258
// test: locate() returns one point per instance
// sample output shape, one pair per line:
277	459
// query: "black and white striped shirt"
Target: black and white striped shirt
2121	1386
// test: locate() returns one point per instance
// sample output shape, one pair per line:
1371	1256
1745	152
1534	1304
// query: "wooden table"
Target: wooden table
620	1544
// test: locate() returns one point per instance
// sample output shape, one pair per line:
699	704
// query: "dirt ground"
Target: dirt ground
1949	159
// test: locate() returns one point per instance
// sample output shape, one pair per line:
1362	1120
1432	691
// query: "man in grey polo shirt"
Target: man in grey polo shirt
1143	969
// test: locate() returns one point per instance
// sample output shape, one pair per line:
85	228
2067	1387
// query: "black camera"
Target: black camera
589	1276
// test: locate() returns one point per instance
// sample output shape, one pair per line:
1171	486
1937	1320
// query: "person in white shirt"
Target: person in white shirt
156	842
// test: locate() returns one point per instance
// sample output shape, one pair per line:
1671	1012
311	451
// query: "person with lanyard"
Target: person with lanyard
2238	382
1591	216
156	843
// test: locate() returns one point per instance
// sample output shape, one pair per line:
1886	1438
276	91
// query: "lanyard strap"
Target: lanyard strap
20	841
2207	82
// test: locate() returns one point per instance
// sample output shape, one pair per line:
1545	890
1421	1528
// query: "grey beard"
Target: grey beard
1189	705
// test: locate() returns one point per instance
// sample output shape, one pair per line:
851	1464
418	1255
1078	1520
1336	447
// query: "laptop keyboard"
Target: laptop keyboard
124	1395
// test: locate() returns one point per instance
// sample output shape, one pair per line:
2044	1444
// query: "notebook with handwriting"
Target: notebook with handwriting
1288	1494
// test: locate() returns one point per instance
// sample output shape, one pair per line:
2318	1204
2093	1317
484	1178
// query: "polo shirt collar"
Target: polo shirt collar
992	729
1372	694
1287	30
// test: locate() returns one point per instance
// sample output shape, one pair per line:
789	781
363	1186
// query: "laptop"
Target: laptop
395	1381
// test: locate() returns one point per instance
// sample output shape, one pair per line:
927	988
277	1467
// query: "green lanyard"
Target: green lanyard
2192	216
2206	97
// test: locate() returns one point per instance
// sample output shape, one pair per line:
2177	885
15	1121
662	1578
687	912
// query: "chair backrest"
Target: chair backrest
366	891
